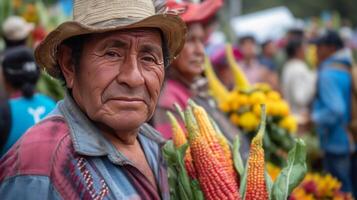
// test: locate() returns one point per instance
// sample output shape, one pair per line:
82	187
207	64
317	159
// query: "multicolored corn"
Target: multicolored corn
215	180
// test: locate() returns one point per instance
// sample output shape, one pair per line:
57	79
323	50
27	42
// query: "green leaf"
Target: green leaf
169	153
197	192
269	183
179	111
243	182
180	186
237	159
183	179
292	174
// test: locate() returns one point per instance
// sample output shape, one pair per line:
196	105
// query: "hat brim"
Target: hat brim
172	27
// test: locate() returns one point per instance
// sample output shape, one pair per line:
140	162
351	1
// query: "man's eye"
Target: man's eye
112	54
149	59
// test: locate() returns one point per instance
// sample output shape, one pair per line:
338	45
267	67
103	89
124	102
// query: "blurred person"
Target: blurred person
16	31
26	106
268	52
221	67
332	106
5	115
184	80
298	81
254	71
96	143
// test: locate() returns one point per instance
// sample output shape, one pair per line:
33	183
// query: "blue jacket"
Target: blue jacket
24	114
332	104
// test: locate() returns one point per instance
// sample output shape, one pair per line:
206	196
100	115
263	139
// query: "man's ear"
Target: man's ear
66	64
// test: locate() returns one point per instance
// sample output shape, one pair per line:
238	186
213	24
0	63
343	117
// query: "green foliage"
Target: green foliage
181	187
292	174
5	10
237	159
50	86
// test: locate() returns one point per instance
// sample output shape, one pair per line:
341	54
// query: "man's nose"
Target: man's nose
130	73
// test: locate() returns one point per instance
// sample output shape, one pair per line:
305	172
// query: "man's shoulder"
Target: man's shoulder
38	149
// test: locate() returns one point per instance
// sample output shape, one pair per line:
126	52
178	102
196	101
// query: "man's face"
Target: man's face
119	78
191	59
249	49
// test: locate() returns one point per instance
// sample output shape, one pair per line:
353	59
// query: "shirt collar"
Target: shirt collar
87	139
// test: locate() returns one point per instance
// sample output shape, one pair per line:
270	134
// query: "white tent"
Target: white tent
267	24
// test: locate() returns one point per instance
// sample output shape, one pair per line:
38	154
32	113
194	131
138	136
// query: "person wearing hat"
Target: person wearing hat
332	106
184	80
15	31
27	107
95	144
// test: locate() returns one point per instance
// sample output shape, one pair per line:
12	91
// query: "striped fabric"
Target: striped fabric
65	157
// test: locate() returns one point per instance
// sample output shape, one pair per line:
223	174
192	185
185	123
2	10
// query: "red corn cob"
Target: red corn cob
215	181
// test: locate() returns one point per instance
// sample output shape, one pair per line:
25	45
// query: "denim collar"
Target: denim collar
87	139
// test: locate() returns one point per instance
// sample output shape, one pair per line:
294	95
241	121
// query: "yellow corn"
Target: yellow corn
239	77
179	139
217	89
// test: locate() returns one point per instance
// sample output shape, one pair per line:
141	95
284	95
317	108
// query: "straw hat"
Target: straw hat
98	16
16	28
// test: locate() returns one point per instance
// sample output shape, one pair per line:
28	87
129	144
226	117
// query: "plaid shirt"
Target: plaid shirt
66	157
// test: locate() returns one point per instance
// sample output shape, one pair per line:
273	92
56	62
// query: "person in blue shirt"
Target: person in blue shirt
332	106
26	106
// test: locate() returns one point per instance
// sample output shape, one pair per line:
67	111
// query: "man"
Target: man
267	57
254	71
298	82
332	106
96	145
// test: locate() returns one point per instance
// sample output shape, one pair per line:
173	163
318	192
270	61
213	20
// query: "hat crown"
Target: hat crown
91	12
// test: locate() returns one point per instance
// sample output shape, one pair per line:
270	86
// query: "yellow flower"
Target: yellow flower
284	109
273	171
273	95
16	4
224	106
30	13
262	87
257	110
289	123
257	98
249	121
272	108
234	118
242	99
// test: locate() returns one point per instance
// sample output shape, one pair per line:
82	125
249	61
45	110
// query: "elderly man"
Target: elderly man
96	145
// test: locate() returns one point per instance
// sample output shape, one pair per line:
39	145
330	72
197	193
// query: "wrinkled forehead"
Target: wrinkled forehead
154	34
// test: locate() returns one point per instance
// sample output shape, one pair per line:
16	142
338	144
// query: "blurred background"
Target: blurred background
273	42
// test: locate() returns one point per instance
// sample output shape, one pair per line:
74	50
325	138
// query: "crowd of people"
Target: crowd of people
123	69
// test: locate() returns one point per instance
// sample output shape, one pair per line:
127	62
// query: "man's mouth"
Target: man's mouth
127	99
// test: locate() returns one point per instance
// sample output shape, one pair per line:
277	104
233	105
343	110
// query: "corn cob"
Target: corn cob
256	186
213	179
239	77
217	89
179	139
